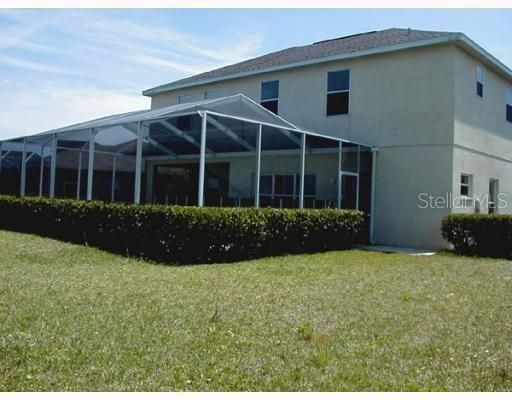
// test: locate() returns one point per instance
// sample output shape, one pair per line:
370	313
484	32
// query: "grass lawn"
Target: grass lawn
75	318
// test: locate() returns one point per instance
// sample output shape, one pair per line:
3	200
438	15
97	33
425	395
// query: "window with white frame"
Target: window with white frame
480	81
465	185
270	95
338	92
508	108
212	94
185	98
286	185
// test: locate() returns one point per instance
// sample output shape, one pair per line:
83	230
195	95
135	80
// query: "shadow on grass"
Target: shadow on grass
182	263
453	253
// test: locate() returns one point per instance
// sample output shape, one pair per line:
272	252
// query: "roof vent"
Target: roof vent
345	37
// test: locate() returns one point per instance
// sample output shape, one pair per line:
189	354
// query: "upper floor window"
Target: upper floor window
465	185
185	98
270	95
338	92
479	82
211	94
509	105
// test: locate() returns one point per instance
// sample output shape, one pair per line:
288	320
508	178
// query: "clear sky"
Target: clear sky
59	67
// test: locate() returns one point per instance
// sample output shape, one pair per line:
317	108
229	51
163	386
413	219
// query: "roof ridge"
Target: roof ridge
345	37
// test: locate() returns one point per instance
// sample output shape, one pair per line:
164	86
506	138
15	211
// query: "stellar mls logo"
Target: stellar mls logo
427	200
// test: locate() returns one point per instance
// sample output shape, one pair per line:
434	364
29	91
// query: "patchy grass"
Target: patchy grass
75	318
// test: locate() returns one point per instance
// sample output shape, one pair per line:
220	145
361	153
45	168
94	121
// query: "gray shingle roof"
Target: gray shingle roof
318	50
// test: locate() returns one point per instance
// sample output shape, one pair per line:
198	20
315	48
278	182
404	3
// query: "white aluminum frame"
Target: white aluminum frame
142	135
302	169
258	167
138	164
340	180
23	168
79	175
53	165
90	168
41	171
202	160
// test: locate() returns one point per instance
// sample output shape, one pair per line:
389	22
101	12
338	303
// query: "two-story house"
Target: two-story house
438	106
405	125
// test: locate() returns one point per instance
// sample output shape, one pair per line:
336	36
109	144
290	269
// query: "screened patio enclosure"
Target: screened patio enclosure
222	152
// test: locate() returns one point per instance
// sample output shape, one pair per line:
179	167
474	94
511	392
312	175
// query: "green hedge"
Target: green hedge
177	234
479	234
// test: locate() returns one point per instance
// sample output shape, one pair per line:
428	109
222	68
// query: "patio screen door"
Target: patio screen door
349	190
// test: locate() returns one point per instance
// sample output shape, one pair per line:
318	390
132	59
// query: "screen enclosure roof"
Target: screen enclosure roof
236	108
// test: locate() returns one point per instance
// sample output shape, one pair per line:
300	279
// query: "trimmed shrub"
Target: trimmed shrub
487	235
176	234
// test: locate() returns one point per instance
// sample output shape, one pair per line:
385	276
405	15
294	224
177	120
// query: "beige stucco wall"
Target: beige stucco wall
480	123
396	98
403	175
483	136
482	168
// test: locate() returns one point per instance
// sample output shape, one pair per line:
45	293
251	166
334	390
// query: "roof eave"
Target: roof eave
483	55
378	50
